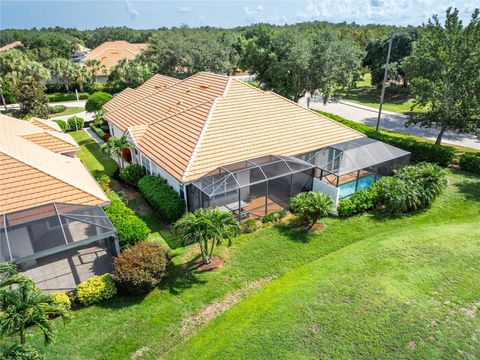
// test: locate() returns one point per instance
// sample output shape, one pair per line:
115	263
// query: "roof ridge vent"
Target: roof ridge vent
204	86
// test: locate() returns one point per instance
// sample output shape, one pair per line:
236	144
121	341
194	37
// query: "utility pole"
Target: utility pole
384	81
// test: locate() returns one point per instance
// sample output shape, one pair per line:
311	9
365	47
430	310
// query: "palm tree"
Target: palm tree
207	227
63	69
80	75
311	206
93	68
26	305
10	276
117	146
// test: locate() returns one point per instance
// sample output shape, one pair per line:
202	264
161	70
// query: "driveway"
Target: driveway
391	121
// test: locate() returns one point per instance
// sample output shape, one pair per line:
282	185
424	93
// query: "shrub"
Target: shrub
96	101
62	299
250	225
58	96
100	133
130	228
131	174
470	162
140	268
421	151
268	218
359	202
162	197
395	195
75	123
102	178
311	206
63	125
96	289
57	109
280	214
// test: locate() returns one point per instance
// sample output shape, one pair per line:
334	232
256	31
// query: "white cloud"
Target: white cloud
184	9
253	11
131	10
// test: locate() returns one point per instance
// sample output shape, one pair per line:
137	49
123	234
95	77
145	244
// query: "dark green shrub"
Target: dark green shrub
102	178
57	109
57	97
75	123
131	174
96	101
395	195
140	268
421	151
162	197
100	133
96	289
359	202
268	218
470	162
130	228
250	225
311	206
63	125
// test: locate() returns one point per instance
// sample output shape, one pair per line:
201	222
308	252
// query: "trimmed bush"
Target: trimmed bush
57	97
63	125
162	197
311	206
470	162
102	178
97	131
359	202
268	218
131	174
75	123
62	299
140	268
96	101
96	289
250	225
421	151
56	109
130	228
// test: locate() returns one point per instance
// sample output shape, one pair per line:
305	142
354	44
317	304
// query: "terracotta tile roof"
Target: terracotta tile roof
136	132
32	175
10	46
111	52
208	120
155	84
46	124
52	142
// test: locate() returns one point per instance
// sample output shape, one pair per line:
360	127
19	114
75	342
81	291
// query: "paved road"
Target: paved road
391	121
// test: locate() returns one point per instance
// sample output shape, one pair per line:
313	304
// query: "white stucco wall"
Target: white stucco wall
320	186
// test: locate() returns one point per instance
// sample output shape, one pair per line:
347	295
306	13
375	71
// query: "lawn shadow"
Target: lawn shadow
181	277
122	301
469	188
294	231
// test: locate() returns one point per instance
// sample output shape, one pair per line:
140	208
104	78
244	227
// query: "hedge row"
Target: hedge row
72	124
421	151
132	174
97	131
130	228
470	162
162	197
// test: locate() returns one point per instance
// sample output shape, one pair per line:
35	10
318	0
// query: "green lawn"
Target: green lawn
366	94
372	286
68	111
91	154
63	97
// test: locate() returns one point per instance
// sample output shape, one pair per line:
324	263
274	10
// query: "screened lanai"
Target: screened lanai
355	164
45	230
252	188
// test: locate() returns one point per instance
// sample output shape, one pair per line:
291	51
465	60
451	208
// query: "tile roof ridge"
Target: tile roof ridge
179	112
294	103
199	140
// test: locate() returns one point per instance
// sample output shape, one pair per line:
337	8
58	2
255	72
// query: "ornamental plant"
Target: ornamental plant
131	174
96	289
311	206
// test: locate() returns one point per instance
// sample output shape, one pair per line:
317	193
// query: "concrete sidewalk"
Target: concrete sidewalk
94	136
391	121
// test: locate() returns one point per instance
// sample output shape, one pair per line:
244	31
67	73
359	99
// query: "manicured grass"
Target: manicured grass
68	111
364	287
368	95
61	97
92	155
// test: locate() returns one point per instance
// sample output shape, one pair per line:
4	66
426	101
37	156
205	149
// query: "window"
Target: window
146	165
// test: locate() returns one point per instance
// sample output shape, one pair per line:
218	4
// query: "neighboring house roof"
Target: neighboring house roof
111	52
209	120
46	124
10	46
127	96
31	174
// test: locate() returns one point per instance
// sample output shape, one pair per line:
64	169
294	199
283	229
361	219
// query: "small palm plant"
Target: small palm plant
207	227
311	206
117	146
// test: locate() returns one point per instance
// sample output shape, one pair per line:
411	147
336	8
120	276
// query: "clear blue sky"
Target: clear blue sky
141	14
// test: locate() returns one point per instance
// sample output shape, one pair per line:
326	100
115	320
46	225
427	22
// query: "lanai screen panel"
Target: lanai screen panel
51	228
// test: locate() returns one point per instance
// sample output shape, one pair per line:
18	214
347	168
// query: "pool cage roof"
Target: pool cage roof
249	172
47	229
354	155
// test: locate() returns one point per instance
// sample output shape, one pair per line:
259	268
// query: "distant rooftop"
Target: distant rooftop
10	46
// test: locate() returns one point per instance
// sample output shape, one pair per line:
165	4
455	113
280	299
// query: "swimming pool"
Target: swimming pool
348	188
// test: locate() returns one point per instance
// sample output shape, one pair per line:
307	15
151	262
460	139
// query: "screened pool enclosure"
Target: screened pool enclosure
252	188
45	230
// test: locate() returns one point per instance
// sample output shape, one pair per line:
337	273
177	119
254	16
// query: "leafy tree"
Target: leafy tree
96	101
31	98
63	69
376	56
207	227
93	68
334	64
311	206
116	147
444	76
129	73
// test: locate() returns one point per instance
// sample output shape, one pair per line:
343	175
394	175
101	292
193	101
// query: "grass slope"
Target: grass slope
68	111
150	327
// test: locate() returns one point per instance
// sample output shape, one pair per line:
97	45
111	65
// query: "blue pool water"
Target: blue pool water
348	188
